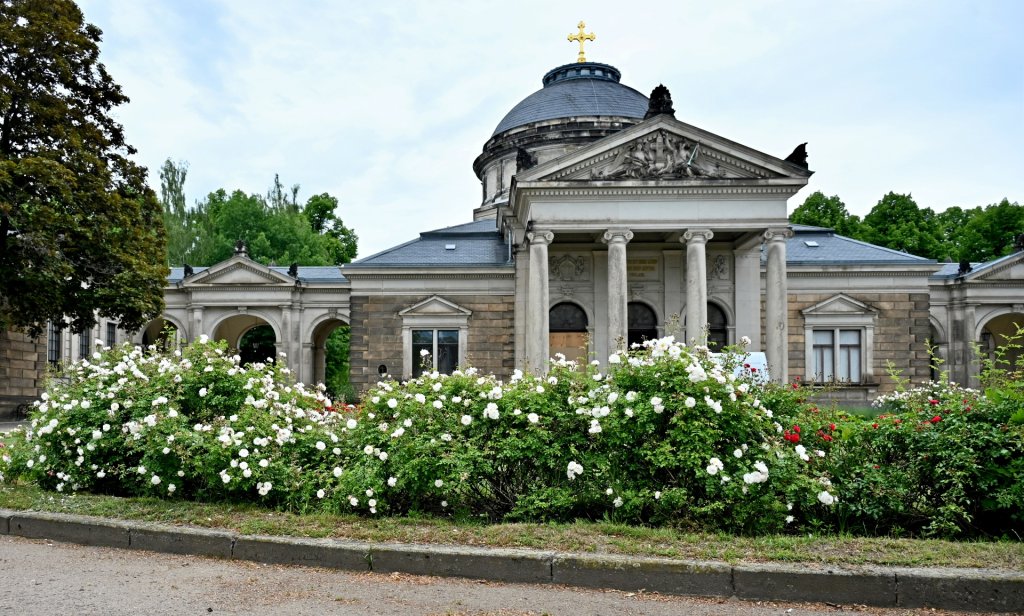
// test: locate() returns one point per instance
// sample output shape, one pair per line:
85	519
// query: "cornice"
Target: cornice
601	188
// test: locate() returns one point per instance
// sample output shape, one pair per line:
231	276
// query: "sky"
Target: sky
385	105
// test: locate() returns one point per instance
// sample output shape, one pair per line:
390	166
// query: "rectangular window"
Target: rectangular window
83	343
434	349
837	355
111	334
53	343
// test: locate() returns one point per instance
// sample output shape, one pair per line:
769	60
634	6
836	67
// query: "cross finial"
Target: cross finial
581	36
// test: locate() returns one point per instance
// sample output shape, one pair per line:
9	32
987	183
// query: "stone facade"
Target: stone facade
377	335
22	370
900	329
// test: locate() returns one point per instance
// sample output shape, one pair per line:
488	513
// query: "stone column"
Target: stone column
748	293
696	284
537	324
617	297
776	305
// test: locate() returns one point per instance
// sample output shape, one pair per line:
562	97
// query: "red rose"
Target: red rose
933	402
832	427
875	426
936	419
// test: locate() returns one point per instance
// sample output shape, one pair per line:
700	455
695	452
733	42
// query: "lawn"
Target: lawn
584	537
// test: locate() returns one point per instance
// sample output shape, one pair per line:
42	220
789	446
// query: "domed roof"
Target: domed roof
572	90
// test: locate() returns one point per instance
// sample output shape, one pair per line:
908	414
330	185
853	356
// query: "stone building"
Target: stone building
604	220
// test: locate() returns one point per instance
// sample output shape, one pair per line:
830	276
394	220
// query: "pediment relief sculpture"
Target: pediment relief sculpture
661	156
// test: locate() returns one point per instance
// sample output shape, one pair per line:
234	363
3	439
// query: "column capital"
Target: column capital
540	237
697	236
617	236
778	234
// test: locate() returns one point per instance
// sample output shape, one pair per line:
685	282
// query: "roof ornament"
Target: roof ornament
293	270
799	156
965	268
188	270
661	103
581	37
241	250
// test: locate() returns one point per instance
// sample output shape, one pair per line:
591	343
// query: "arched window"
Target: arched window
642	323
718	328
567	332
567	317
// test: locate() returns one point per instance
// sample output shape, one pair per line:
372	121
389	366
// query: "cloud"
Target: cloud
385	105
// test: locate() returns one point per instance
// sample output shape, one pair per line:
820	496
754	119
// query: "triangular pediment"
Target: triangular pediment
435	306
839	305
663	148
1010	267
239	270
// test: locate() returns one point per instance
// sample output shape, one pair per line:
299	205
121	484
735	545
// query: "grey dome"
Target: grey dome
573	90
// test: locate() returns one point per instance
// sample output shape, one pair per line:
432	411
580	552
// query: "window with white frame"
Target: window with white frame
838	355
434	335
435	349
838	335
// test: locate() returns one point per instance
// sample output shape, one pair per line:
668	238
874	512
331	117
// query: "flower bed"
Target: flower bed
669	435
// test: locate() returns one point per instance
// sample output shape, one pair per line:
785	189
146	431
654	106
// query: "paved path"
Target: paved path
46	578
7	426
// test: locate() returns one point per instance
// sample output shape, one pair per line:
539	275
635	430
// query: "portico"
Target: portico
601	228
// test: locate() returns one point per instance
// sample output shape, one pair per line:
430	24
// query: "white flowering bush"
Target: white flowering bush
668	435
190	423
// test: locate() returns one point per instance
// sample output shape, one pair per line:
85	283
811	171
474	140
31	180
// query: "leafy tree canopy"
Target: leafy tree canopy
80	232
274	227
821	211
897	222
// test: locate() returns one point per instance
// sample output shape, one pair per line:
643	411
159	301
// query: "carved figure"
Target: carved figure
660	156
799	156
661	103
720	267
525	160
567	268
188	270
293	270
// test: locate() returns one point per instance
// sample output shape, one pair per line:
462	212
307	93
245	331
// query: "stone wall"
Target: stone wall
376	334
22	370
901	331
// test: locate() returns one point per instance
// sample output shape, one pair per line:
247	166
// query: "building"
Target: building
604	220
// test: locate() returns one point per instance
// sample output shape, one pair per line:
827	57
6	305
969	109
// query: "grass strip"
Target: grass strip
584	537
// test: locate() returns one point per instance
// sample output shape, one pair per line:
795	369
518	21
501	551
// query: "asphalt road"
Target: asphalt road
45	578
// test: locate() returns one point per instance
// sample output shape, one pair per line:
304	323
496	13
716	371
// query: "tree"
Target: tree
176	214
80	232
821	211
992	232
897	222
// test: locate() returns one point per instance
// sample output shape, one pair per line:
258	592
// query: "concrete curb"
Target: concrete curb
954	589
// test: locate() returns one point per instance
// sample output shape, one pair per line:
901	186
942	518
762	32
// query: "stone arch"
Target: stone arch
641	322
315	361
719	324
153	331
233	327
995	331
569	331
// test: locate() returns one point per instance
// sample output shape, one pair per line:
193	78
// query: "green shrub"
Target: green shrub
669	435
941	461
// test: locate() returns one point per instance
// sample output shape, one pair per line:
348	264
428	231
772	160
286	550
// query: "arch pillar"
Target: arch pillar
776	305
696	283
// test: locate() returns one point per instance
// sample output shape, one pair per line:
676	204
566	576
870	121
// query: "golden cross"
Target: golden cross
582	37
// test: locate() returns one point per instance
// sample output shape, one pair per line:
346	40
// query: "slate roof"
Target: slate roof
952	270
577	90
476	243
833	249
307	273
